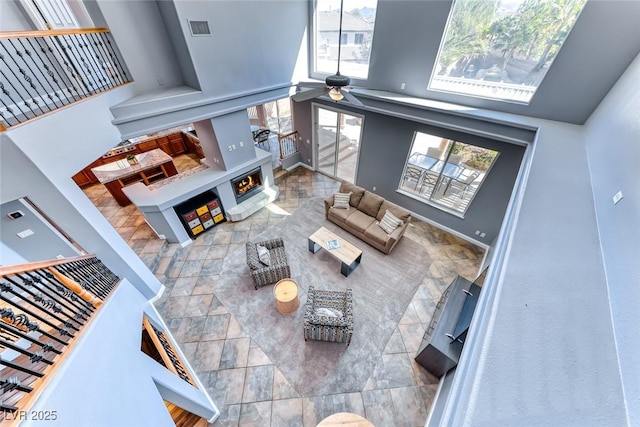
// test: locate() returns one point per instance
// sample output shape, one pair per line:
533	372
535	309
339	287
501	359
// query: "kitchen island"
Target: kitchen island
151	167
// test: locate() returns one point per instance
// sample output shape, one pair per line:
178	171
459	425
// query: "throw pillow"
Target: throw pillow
328	312
389	222
263	254
341	200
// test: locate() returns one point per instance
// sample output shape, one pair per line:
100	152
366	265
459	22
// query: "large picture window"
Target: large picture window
502	49
358	21
444	172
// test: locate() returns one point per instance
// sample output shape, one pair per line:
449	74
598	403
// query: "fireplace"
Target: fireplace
247	184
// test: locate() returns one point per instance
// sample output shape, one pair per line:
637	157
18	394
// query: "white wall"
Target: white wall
613	147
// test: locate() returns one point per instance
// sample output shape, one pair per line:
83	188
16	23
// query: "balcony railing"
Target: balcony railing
41	71
44	309
288	144
483	88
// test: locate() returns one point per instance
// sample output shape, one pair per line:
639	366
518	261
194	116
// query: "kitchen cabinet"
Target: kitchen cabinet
145	146
193	144
152	166
176	144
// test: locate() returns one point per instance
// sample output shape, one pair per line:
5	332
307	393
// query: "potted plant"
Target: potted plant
132	159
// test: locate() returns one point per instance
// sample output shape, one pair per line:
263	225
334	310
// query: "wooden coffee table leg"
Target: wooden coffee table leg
347	269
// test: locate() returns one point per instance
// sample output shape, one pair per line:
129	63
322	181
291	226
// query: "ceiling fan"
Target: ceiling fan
336	85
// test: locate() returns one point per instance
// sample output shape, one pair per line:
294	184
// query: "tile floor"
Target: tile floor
247	387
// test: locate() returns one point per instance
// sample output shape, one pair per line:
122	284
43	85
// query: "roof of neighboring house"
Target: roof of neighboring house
330	21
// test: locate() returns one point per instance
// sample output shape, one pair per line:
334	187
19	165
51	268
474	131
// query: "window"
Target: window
275	115
445	173
502	49
358	18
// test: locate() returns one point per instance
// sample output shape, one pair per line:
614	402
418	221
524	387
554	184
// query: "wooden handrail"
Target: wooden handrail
38	265
45	33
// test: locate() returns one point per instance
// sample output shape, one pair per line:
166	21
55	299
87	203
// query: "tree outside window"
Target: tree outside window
509	44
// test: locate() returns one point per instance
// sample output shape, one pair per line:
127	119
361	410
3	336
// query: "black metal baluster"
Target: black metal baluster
87	61
63	79
68	53
34	357
110	71
67	323
46	347
8	107
81	279
29	52
95	278
71	300
36	282
76	86
23	320
47	73
29	79
62	330
48	305
13	383
113	54
20	368
17	78
102	57
99	65
71	51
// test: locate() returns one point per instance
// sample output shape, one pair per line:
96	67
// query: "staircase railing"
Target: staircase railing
288	144
41	71
44	308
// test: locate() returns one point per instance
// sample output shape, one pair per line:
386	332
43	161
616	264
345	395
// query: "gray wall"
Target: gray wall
233	134
45	242
613	148
13	17
541	349
384	149
141	37
254	44
603	42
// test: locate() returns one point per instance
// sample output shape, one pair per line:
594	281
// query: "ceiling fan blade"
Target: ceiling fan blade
309	94
352	99
310	84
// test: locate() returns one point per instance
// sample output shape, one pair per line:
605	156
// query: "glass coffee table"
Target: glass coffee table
346	253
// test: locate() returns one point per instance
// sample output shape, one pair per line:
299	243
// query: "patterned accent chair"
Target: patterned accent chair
268	274
325	328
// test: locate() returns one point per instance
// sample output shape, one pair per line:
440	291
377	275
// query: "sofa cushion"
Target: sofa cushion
263	254
356	192
340	215
370	204
389	222
377	234
359	220
341	200
396	210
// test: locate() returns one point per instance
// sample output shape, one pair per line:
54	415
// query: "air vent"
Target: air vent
199	28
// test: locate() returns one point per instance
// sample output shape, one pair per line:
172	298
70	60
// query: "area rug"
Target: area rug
383	286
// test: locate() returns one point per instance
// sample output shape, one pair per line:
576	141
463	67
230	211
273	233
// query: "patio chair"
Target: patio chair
278	267
337	327
412	174
462	183
261	138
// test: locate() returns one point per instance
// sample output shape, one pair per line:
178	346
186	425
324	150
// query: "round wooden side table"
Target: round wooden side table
345	419
286	294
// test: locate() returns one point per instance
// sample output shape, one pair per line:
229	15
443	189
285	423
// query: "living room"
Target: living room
543	246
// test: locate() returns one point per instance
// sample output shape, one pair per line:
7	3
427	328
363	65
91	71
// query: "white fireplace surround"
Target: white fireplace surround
157	204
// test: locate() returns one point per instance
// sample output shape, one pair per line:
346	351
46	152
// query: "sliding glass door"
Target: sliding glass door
337	142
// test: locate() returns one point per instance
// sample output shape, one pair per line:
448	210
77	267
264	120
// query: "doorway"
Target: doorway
337	136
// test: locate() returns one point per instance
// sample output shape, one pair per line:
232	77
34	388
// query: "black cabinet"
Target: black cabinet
443	340
200	213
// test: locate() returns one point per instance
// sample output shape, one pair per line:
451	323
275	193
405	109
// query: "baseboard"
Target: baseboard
300	164
451	231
